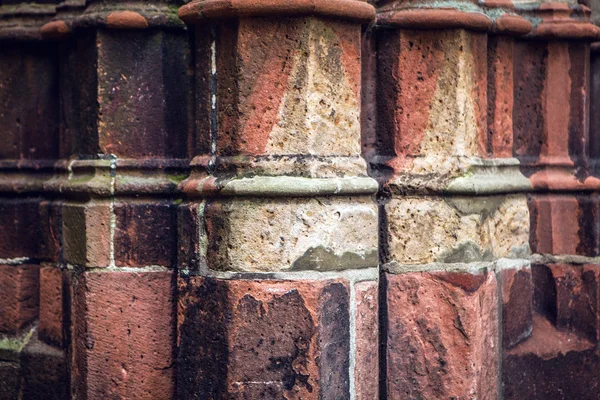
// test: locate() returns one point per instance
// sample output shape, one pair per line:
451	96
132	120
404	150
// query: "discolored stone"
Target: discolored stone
51	230
298	234
263	339
9	380
442	335
51	325
145	233
44	372
19	301
86	233
500	96
123	335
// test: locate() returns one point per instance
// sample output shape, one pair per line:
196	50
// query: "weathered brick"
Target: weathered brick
517	306
86	233
52	301
44	372
442	335
145	233
9	380
20	296
19	233
50	230
263	339
500	96
123	327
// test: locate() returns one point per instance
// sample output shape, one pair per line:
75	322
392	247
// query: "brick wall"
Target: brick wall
236	199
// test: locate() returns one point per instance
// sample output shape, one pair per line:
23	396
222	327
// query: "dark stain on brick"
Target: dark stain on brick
579	57
528	112
203	361
544	297
517	312
334	340
272	344
588	220
44	372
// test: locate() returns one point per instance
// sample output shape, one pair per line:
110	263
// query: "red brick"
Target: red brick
146	234
50	230
263	339
123	327
20	298
442	335
51	325
366	371
500	96
19	228
517	306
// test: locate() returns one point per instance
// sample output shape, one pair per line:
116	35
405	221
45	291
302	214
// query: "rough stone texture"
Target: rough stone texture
19	236
44	372
263	339
52	300
565	224
432	99
9	380
288	86
51	230
145	234
442	335
86	233
298	234
123	327
500	96
456	229
19	301
366	371
559	359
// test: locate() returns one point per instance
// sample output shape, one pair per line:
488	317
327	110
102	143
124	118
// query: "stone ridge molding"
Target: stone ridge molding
498	17
561	21
23	21
352	10
125	16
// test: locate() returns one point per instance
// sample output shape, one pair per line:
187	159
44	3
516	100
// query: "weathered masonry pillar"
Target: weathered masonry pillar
28	150
278	247
551	312
453	204
124	107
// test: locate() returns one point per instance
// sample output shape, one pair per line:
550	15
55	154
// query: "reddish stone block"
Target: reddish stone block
127	90
263	339
500	96
145	234
52	298
28	92
123	335
366	369
564	334
86	233
44	372
50	230
442	335
19	228
20	296
564	224
517	306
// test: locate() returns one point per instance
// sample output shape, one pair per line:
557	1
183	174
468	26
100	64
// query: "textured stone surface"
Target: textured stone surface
19	236
86	233
263	339
457	229
442	335
432	99
19	301
145	234
500	96
123	327
44	372
517	306
281	234
52	300
288	86
366	371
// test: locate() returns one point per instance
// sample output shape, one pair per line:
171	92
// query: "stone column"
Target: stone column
125	108
551	312
278	243
32	359
453	210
